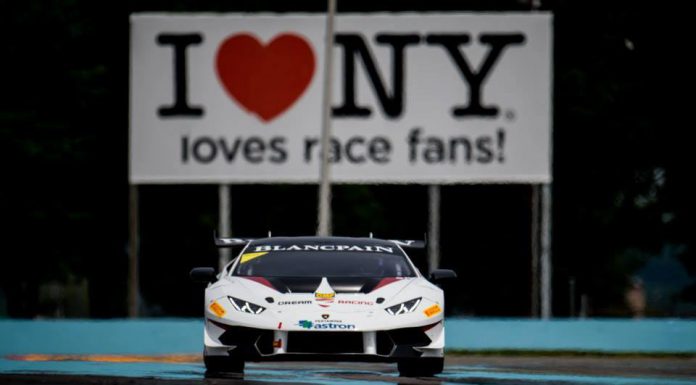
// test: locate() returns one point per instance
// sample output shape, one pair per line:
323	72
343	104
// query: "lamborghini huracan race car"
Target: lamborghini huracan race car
323	298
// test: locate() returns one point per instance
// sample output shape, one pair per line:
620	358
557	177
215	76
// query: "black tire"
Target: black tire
222	364
421	367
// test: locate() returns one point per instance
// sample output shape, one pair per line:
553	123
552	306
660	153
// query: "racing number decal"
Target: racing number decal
217	309
431	311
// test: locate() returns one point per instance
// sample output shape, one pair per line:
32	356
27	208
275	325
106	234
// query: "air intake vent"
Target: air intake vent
325	342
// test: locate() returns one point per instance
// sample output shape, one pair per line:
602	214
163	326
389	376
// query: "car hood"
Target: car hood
339	294
340	285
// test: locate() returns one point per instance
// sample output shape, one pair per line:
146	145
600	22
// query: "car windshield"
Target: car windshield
323	264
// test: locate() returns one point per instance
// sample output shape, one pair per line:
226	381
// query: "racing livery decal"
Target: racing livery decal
322	324
324	296
364	248
284	303
249	256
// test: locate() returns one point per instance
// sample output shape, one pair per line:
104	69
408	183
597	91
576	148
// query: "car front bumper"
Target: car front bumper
254	344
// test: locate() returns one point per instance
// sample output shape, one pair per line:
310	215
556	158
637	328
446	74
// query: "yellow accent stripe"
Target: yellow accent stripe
249	256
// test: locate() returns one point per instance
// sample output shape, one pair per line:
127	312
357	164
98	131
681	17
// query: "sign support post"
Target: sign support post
546	270
324	210
224	217
133	249
433	227
535	237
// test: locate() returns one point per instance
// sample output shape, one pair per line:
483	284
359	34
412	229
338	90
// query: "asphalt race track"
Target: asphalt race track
484	370
158	351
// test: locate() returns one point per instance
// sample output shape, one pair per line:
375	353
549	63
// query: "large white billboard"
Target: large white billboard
417	98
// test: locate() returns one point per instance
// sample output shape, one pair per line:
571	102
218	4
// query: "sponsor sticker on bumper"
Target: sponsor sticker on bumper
217	309
432	310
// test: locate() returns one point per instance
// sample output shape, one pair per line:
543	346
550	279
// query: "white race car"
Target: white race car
323	298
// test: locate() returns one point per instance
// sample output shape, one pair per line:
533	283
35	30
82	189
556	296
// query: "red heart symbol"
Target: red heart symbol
265	80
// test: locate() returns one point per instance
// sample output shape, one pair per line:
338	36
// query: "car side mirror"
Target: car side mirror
442	275
202	274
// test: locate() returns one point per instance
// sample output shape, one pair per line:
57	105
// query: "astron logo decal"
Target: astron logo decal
331	325
305	324
373	249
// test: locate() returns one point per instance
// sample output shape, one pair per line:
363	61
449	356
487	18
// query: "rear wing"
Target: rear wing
409	244
223	242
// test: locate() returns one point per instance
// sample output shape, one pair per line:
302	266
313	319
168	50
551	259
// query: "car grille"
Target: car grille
385	345
251	342
325	342
407	337
247	338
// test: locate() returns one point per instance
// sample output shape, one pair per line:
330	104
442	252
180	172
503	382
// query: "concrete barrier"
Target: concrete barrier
596	335
167	336
118	336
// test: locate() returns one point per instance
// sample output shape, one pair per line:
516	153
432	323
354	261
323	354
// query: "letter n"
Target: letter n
353	47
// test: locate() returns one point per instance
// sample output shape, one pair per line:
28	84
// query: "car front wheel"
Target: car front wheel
421	367
222	364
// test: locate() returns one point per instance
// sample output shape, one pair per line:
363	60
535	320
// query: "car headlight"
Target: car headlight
246	307
404	307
